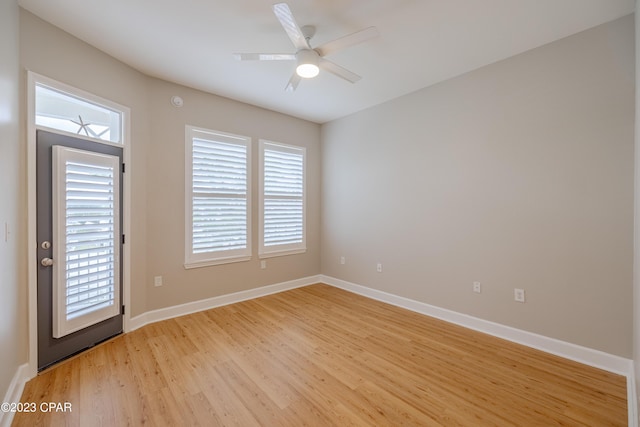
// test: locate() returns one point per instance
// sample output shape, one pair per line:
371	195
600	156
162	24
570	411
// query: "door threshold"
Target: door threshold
76	354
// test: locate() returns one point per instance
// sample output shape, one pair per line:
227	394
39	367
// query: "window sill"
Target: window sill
281	253
213	262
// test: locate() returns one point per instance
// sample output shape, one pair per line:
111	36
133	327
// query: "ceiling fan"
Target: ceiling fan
309	60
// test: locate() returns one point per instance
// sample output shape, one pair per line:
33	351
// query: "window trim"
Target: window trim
31	128
72	92
287	249
218	257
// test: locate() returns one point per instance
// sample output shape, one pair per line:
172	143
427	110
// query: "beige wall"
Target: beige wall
48	51
13	317
517	175
157	170
166	197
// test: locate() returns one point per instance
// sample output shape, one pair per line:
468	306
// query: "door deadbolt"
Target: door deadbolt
46	244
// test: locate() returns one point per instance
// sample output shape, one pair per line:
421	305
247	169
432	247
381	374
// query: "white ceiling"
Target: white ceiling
421	42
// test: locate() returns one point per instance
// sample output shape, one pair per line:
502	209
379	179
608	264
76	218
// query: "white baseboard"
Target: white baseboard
588	356
632	398
585	355
14	393
206	304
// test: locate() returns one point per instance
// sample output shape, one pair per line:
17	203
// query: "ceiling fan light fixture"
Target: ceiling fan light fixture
307	71
307	63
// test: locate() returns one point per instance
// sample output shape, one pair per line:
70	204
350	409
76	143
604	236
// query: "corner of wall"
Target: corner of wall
12	242
636	240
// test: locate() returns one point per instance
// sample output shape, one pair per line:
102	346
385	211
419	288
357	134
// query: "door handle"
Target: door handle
46	262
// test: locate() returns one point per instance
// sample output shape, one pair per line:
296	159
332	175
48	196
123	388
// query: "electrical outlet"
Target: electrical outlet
379	267
263	264
518	295
157	281
343	260
477	287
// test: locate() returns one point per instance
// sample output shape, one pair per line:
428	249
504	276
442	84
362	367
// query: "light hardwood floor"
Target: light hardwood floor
320	356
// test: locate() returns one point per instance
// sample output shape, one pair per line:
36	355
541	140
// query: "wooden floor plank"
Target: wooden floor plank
320	356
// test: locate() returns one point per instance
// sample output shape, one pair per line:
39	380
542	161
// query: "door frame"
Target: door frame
32	243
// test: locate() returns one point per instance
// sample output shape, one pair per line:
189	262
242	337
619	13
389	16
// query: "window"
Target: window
282	199
61	111
218	217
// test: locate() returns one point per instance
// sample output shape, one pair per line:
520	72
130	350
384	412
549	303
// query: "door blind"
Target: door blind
86	238
90	238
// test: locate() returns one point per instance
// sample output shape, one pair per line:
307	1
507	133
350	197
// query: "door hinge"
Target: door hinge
123	309
123	239
123	168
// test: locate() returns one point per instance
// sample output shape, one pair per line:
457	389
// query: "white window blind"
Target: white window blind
282	199
218	211
86	211
91	239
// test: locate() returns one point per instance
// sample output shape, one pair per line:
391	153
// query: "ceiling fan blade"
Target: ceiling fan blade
293	82
334	68
284	15
346	41
264	56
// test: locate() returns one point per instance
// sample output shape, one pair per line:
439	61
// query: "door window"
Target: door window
61	111
86	277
